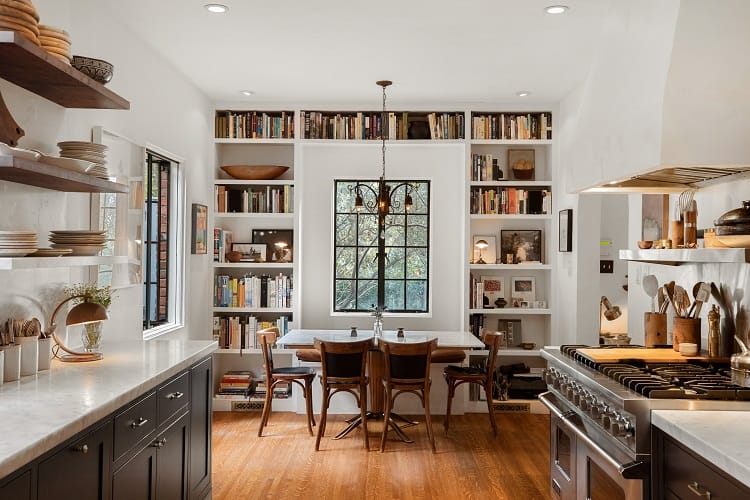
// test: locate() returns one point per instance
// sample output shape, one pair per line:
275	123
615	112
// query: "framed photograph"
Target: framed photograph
494	289
484	254
566	230
521	163
522	289
521	246
199	239
654	216
251	252
278	243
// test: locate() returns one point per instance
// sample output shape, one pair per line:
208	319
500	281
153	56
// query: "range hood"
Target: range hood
703	122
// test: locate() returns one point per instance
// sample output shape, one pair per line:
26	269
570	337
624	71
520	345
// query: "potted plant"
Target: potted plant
90	292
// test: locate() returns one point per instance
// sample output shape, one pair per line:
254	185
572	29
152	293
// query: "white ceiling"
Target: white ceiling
333	51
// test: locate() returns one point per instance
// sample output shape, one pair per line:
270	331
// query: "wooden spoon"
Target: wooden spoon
704	291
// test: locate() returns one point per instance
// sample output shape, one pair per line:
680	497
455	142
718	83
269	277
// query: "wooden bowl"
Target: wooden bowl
528	345
645	244
254	172
523	173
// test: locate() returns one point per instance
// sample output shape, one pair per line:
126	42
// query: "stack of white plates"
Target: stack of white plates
82	242
89	151
17	243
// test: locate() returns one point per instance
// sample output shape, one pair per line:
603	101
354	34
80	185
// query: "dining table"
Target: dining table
305	339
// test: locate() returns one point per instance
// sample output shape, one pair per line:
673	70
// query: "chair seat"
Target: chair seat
447	356
308	355
462	371
293	370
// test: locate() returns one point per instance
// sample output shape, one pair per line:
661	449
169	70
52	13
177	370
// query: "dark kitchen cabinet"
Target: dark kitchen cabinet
80	469
18	486
136	479
681	473
200	428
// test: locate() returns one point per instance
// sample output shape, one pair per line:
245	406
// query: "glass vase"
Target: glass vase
378	328
91	337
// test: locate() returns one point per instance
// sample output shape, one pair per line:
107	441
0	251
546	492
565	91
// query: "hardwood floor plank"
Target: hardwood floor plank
469	463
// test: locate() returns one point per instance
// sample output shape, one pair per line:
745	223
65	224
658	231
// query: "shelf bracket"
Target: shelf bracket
10	131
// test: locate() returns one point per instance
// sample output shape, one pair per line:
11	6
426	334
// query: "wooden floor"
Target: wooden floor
469	464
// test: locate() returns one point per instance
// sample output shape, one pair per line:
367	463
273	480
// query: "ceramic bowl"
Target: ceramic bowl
254	172
99	70
645	244
528	345
688	349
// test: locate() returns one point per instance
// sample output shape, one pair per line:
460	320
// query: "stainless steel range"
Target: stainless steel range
601	416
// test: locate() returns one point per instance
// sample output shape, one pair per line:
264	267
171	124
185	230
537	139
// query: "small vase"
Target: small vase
91	337
378	328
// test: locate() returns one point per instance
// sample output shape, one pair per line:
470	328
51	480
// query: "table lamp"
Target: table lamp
80	314
611	312
481	245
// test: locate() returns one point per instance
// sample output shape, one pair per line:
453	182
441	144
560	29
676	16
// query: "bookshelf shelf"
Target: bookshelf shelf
509	183
254	265
256	310
512	311
510	267
252	215
219	140
511	216
512	142
240	182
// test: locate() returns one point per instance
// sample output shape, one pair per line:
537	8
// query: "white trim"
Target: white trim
165	153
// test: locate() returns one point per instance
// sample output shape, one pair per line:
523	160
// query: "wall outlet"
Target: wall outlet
606	266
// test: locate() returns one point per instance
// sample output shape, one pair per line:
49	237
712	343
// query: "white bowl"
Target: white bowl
688	349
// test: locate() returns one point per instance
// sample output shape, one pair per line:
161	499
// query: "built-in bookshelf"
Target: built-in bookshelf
369	125
231	124
511	126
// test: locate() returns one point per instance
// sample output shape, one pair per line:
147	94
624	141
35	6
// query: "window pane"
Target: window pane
394	295
344	197
345	295
368	230
394	264
416	295
420	198
153	270
345	262
394	230
417	232
367	294
416	263
346	227
368	264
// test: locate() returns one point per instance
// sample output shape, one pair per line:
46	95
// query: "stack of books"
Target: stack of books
235	385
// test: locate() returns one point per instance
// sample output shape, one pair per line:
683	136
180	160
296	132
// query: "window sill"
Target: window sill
161	330
385	315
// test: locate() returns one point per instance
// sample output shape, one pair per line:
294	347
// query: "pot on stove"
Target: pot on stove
740	363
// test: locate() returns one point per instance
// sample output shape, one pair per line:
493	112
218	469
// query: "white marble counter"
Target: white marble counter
448	339
40	411
721	437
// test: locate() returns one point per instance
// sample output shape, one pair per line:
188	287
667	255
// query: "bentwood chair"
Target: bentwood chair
302	376
343	369
482	376
407	370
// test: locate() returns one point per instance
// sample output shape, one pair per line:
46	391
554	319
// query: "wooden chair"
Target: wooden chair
343	367
457	375
407	370
275	376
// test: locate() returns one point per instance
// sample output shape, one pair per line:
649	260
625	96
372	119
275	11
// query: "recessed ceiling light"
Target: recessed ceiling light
216	8
246	92
556	9
523	93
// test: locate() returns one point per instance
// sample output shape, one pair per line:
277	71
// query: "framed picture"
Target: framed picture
484	254
199	240
522	289
654	216
521	163
521	246
251	252
566	230
494	289
278	243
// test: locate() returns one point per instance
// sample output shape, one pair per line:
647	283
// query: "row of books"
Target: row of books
222	244
239	332
368	126
254	125
235	384
256	200
512	126
485	167
252	290
282	390
510	201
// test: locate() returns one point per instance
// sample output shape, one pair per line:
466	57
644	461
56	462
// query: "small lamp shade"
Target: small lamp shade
86	312
481	244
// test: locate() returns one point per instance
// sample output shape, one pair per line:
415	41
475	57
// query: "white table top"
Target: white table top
447	339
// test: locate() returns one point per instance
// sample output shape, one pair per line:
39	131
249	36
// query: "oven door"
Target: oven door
589	472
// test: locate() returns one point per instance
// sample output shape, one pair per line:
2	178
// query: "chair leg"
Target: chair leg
323	415
451	393
363	411
308	405
266	408
490	406
427	417
386	417
310	395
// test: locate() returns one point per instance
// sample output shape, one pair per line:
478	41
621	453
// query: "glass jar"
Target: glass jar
378	327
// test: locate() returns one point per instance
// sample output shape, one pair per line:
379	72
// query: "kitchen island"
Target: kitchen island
46	410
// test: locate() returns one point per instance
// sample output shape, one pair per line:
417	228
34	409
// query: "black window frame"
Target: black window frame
151	318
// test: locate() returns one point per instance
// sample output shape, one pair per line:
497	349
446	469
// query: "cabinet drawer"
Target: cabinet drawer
688	477
134	424
173	396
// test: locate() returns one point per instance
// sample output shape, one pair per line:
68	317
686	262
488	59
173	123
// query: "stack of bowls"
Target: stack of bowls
89	151
56	42
17	243
20	16
82	242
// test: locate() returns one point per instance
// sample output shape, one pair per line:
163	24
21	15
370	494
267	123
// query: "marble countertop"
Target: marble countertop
457	340
720	437
40	411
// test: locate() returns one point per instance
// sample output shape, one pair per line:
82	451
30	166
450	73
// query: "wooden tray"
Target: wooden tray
617	355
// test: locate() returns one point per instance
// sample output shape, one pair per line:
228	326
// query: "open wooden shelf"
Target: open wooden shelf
34	173
31	67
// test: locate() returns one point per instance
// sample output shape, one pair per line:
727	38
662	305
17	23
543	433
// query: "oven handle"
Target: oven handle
630	470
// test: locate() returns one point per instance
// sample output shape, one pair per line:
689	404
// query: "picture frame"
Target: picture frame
251	252
565	221
199	225
489	254
522	163
494	289
279	244
654	216
523	246
523	289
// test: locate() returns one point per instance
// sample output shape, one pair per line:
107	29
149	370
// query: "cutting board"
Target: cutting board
616	355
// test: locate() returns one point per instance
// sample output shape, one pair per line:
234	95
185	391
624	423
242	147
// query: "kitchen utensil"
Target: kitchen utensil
682	300
740	364
651	286
669	290
704	291
662	301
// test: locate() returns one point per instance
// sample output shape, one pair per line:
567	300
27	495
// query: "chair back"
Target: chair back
266	339
492	343
407	363
343	361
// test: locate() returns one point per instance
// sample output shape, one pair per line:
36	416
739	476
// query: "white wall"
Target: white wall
166	110
614	227
442	164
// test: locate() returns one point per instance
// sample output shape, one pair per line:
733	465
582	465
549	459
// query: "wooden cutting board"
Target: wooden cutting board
616	355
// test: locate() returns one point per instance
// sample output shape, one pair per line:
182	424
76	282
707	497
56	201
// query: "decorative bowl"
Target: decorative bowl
523	173
527	345
645	244
688	349
99	70
254	172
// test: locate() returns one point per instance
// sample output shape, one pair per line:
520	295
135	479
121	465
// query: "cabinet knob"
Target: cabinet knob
696	488
159	443
175	395
138	423
84	448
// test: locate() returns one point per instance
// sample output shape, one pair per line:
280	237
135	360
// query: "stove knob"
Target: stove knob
549	376
595	410
585	403
607	418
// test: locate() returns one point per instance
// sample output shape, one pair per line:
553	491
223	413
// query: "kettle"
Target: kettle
740	363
